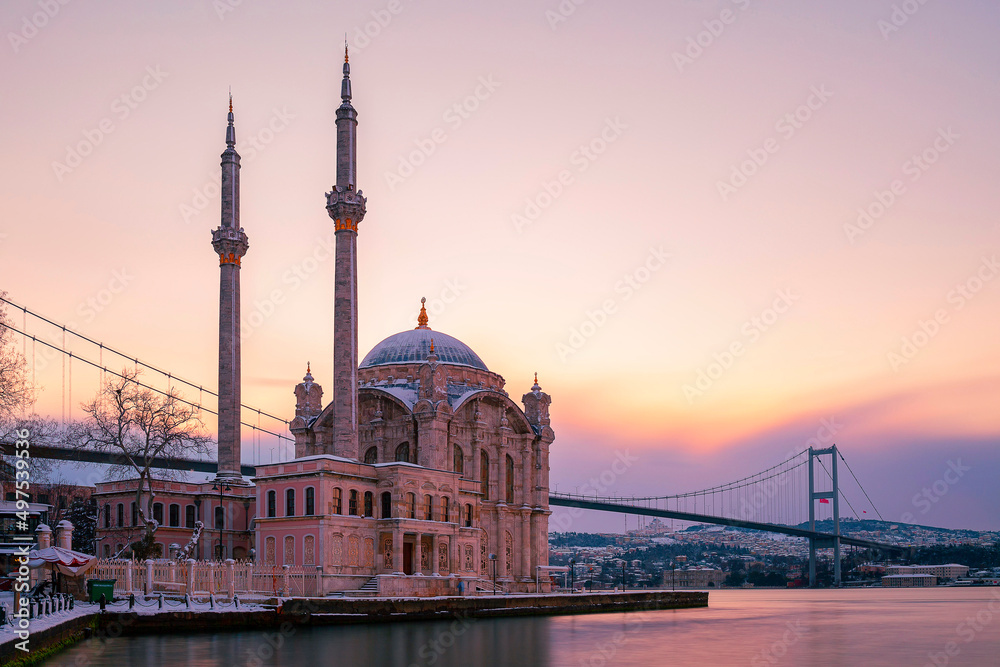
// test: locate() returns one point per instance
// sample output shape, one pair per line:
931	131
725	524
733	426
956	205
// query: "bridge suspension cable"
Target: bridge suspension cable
135	360
734	485
146	386
860	486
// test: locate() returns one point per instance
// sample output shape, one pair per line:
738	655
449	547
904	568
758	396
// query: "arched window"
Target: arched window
468	515
444	508
189	516
337	500
369	504
107	516
429	505
272	503
509	479
403	452
386	505
484	474
411	504
158	513
310	501
371	456
290	502
220	518
175	515
135	514
107	547
121	516
352	503
459	462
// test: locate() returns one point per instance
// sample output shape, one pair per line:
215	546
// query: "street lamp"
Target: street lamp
623	575
572	575
221	487
493	557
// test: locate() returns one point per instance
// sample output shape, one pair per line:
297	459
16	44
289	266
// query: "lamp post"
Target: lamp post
673	587
493	557
623	575
572	575
221	487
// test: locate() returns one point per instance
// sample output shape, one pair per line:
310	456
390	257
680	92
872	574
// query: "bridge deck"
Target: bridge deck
623	508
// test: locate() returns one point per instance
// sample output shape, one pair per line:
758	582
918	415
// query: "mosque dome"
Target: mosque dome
414	346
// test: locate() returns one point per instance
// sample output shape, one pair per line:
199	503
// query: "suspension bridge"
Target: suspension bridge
786	498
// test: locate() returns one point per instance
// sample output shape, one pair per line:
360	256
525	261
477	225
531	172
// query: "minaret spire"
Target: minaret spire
230	129
230	242
346	206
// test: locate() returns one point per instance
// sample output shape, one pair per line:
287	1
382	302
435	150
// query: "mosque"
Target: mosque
422	473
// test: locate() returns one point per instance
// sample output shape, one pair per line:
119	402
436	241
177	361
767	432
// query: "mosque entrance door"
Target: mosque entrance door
407	557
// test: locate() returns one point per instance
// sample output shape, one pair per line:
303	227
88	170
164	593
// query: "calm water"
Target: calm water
741	627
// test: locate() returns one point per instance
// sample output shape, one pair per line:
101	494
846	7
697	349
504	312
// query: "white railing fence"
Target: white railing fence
196	578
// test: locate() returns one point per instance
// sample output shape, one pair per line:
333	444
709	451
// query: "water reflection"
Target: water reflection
741	627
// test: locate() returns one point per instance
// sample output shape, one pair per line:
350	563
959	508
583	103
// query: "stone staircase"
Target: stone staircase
368	590
486	586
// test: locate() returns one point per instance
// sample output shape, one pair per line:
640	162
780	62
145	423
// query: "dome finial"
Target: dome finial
422	318
308	379
346	59
535	386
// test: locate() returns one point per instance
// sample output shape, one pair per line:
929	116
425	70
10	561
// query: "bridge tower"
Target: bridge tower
832	496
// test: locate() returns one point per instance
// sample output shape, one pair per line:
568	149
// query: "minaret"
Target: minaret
231	244
346	207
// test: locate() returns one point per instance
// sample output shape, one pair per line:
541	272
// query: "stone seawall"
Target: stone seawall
341	610
44	643
334	611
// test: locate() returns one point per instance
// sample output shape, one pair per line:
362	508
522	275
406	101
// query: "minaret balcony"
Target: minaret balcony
346	207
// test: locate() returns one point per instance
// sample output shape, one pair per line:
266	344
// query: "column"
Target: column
397	551
435	569
527	485
418	556
500	544
527	569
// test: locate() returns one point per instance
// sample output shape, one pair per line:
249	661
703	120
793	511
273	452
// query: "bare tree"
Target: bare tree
16	393
139	425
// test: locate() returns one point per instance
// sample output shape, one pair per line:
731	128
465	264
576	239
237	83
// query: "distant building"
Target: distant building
694	577
908	580
949	571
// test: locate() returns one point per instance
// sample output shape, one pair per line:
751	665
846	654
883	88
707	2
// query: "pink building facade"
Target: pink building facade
227	513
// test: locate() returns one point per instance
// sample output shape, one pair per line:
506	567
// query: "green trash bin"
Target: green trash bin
95	587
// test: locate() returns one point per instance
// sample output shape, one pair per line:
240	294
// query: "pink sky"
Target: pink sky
819	110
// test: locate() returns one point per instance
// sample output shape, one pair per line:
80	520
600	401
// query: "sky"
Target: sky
720	231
